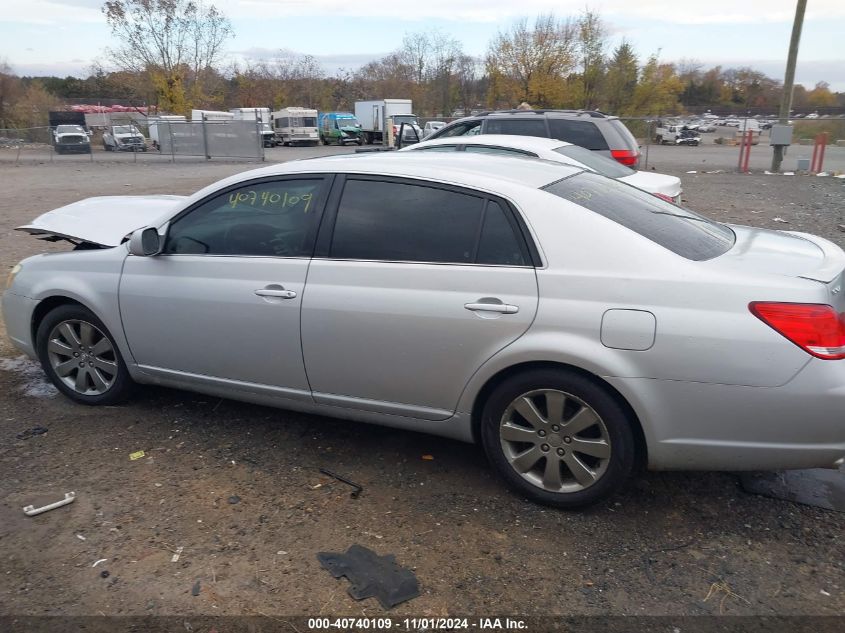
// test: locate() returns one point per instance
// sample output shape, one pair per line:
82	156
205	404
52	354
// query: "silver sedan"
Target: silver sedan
573	325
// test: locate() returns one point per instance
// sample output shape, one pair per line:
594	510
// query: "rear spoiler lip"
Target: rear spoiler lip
834	259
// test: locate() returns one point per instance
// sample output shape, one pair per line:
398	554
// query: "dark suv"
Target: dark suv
591	129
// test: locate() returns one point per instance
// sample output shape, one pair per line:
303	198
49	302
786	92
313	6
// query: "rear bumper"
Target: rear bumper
700	426
17	315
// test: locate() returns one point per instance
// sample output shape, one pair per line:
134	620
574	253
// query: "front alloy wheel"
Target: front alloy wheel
80	356
558	437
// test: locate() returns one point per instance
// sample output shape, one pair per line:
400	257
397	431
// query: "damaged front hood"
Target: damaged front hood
104	220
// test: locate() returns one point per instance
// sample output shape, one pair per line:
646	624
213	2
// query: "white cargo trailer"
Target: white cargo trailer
373	116
165	119
296	126
262	115
211	115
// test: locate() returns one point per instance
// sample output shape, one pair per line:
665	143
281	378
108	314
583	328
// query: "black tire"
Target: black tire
360	141
121	386
616	469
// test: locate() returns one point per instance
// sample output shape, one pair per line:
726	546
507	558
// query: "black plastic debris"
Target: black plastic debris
817	487
357	489
36	430
371	575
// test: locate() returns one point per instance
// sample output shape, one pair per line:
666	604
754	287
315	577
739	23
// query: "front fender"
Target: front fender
89	277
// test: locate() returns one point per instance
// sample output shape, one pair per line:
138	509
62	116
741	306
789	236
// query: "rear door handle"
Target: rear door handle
276	292
502	308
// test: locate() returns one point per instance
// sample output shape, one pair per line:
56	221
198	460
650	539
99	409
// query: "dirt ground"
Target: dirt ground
236	488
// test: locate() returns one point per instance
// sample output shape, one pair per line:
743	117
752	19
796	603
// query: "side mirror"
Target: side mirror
145	242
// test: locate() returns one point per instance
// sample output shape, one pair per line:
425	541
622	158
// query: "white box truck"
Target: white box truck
296	126
262	115
373	116
161	125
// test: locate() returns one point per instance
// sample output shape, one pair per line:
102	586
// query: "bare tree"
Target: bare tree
176	41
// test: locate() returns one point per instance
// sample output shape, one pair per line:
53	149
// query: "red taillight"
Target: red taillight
663	196
627	157
817	329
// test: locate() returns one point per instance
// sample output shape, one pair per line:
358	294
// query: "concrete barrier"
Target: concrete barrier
806	141
840	142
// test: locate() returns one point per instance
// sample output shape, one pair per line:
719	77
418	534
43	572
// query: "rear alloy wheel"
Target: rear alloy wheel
558	438
81	358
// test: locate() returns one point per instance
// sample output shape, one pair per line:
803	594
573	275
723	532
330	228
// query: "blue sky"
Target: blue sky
65	36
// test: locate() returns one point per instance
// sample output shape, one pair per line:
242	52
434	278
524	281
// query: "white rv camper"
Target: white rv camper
296	126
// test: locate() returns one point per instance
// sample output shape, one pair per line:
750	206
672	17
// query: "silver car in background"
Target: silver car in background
573	325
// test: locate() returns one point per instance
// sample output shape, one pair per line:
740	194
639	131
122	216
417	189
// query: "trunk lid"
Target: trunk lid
787	253
104	220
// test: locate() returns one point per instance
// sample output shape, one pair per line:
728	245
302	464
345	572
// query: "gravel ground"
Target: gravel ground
237	486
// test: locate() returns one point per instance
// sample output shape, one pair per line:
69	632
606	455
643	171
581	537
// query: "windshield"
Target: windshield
125	129
680	230
347	121
404	118
598	163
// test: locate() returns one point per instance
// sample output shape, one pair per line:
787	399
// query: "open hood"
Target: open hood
105	220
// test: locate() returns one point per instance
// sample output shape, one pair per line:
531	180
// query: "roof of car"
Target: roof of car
594	114
471	170
528	143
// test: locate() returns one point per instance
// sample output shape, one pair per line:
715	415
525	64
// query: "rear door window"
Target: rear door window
500	243
517	127
583	133
680	230
404	222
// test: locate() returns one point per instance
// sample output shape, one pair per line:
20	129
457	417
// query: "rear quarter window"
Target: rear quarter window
517	127
583	133
679	230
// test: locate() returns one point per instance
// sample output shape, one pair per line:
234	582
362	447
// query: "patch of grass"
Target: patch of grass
835	129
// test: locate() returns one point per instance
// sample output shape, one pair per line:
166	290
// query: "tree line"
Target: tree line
170	54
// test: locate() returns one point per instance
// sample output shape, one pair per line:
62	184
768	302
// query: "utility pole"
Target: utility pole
789	79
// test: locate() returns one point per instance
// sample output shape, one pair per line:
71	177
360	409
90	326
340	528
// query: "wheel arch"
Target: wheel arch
641	446
45	306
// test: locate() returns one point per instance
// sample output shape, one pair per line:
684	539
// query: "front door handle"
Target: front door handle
502	308
279	292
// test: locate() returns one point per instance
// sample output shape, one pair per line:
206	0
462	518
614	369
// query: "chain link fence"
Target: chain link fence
162	140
